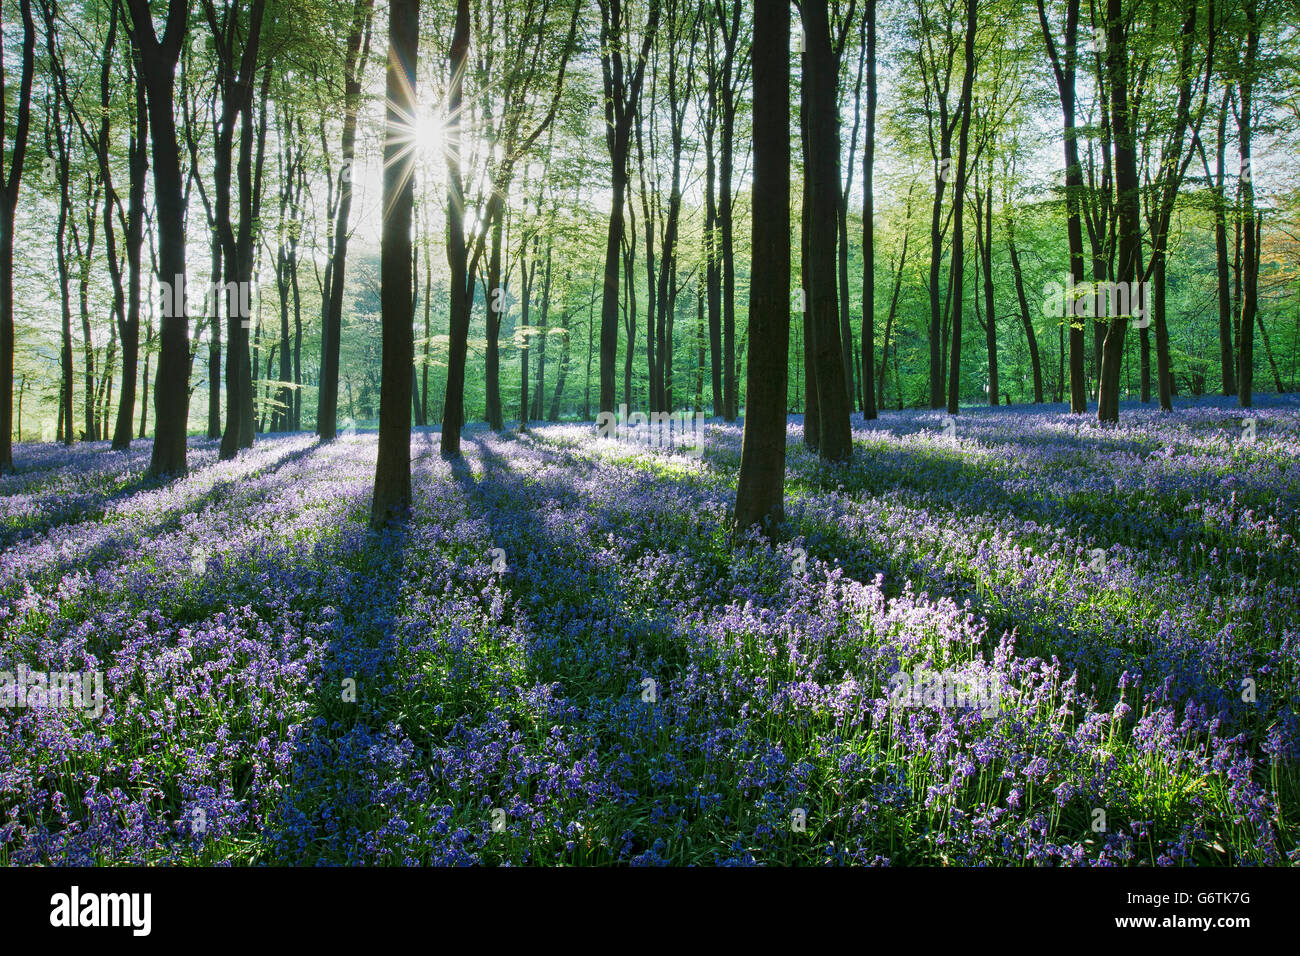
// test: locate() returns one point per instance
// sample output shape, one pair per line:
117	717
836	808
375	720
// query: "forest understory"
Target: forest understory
565	658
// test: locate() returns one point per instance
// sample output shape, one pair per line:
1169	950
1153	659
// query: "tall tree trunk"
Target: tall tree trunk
526	282
393	466
358	48
453	409
822	169
137	165
729	21
84	253
61	267
1127	200
9	182
1227	358
554	414
958	203
629	316
990	324
1250	279
760	489
712	272
1065	70
236	81
872	390
495	307
539	409
622	84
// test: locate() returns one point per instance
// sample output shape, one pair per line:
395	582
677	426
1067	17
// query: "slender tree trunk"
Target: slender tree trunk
1250	283
9	183
554	414
1127	200
1026	320
622	84
1065	70
990	325
1227	358
453	409
495	306
539	409
61	268
137	164
872	390
959	202
358	48
712	272
727	265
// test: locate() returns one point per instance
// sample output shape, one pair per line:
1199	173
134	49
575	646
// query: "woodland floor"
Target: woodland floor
563	658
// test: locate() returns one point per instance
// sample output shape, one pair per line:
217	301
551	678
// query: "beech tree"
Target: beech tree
158	59
10	180
760	490
392	495
623	61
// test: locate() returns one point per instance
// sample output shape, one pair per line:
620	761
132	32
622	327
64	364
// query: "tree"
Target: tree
9	182
1127	202
1250	279
138	165
623	81
462	278
822	174
869	385
959	203
760	490
1227	357
1165	181
171	392
732	73
393	466
358	52
523	72
236	45
1064	68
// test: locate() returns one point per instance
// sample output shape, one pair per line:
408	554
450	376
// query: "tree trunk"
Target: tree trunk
958	204
1250	279
1127	200
1025	319
137	165
760	488
453	409
358	49
539	409
990	325
495	306
622	85
1227	360
8	203
61	268
872	390
393	466
1065	82
822	169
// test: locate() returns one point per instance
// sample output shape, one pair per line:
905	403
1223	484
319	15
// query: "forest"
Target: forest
665	432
